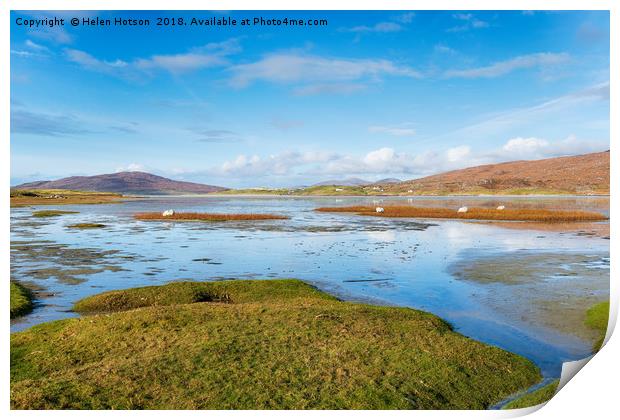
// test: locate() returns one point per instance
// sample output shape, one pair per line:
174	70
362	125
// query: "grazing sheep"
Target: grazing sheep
462	210
501	207
168	213
379	209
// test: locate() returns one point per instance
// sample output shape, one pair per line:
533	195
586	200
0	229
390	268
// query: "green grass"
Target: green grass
254	345
596	318
539	396
51	213
21	300
86	226
315	190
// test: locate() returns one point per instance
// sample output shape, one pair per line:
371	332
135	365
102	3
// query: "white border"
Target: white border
593	394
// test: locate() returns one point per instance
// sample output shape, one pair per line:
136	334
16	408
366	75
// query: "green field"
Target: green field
51	213
21	300
597	318
255	345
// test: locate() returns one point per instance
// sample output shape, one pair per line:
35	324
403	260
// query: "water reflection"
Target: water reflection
385	261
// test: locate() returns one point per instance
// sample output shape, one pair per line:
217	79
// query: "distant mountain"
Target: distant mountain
581	174
347	182
124	182
388	181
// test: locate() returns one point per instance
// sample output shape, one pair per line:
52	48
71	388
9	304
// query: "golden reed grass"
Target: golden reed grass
475	213
207	217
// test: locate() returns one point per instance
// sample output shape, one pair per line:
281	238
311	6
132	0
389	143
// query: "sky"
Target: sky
399	94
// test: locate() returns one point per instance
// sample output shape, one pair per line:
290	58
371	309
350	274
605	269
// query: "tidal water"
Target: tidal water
401	262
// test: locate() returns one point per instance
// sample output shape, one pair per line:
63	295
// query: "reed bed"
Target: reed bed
207	217
475	213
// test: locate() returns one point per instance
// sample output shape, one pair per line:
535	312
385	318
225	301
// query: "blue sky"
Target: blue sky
370	95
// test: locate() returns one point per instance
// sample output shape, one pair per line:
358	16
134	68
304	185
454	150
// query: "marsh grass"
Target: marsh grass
273	344
86	226
51	213
21	300
597	318
20	198
208	217
475	213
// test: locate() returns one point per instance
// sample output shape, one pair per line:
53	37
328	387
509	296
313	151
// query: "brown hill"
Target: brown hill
582	174
124	182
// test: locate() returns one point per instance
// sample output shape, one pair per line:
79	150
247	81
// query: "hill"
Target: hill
123	182
581	174
347	182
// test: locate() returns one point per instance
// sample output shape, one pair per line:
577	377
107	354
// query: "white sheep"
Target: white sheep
168	213
379	209
462	210
501	207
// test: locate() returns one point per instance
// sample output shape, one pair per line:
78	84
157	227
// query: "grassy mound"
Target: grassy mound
254	345
475	213
20	198
597	318
539	396
87	226
207	217
51	213
21	300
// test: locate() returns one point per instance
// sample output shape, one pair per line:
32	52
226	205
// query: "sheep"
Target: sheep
501	207
168	213
462	210
379	209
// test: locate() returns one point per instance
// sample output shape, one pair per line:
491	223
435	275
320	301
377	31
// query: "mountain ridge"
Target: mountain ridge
578	174
134	182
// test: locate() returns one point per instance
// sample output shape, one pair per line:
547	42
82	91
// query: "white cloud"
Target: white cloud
24	53
180	63
56	35
378	27
405	17
444	49
463	16
400	130
527	115
520	146
36	47
539	60
377	159
132	167
206	56
394	25
209	55
470	21
279	164
388	161
31	49
89	62
288	68
458	154
528	148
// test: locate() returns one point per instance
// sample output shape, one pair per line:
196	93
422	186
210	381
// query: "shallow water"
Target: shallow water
379	260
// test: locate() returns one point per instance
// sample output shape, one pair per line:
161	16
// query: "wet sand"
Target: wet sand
546	290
